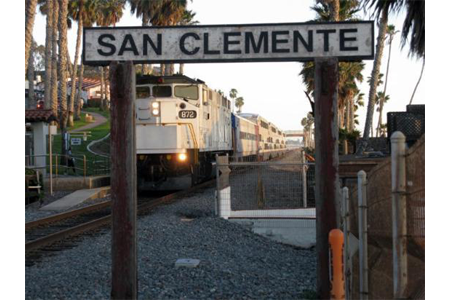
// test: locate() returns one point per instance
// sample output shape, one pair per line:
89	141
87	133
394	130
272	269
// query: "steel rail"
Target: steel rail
66	215
41	242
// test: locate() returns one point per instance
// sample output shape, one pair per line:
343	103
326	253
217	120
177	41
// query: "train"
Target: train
182	124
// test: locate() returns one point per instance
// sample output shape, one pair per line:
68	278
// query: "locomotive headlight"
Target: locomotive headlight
155	108
182	157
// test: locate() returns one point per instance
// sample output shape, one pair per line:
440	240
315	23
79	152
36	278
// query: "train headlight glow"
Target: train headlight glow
182	157
155	108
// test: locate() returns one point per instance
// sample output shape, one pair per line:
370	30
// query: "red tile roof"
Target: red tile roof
87	83
39	115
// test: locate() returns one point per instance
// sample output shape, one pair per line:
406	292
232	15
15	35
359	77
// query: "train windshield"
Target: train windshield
187	91
142	92
162	91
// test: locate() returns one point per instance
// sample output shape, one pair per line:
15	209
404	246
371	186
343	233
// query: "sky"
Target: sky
274	90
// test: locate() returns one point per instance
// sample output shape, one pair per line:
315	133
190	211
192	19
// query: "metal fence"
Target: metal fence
93	165
273	188
395	221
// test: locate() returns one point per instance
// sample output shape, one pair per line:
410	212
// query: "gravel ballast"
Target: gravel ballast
235	263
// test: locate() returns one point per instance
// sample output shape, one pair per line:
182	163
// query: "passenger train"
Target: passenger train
182	124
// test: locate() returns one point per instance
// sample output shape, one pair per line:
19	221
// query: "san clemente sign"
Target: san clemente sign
229	43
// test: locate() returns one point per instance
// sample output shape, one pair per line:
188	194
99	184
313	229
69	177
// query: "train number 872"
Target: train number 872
187	114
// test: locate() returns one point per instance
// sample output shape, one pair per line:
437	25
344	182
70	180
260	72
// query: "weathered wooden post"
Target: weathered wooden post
327	192
347	254
123	181
399	225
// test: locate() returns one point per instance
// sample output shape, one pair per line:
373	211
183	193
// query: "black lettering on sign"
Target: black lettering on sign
276	41
326	32
262	41
227	42
206	45
298	36
183	40
343	39
156	48
187	114
102	42
128	39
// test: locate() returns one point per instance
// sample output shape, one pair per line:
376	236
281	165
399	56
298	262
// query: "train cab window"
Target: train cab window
187	91
205	97
142	92
162	91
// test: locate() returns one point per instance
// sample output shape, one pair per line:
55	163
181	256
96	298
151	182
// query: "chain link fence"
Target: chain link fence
273	188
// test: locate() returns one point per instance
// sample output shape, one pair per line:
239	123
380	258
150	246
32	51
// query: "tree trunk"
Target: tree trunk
352	115
30	75
63	72
162	70
421	73
29	24
181	69
80	91
48	57
54	83
374	79
380	119
75	68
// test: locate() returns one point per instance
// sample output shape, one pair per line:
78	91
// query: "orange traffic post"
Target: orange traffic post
336	240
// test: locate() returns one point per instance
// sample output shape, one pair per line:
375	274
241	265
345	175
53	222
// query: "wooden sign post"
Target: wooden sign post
123	181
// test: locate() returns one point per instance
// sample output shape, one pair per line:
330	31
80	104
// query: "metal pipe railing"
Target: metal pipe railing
82	164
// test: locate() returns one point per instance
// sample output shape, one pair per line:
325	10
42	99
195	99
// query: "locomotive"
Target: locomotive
182	124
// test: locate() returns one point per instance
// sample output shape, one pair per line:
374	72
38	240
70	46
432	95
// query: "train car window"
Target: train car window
264	125
229	104
186	91
210	95
205	97
162	91
142	92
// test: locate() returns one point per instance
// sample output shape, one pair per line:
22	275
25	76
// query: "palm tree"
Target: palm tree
233	95
349	73
413	25
418	81
239	103
76	12
30	75
48	55
307	124
30	13
391	32
63	5
382	28
54	69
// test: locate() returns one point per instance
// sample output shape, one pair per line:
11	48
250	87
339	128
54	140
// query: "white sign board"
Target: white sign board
229	43
75	141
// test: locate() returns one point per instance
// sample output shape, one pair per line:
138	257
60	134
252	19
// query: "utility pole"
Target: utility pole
123	181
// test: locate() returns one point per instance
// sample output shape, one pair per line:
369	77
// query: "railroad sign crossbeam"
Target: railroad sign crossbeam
229	43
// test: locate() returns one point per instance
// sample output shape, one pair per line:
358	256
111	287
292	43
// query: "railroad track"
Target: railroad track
62	231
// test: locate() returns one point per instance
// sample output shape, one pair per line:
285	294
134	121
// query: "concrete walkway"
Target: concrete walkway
76	198
99	120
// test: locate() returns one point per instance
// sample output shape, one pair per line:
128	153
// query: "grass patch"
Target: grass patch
94	163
